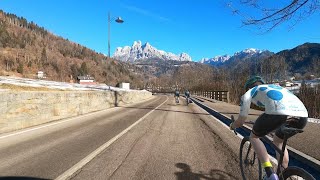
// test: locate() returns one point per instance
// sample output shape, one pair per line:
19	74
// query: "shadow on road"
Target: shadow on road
214	174
20	178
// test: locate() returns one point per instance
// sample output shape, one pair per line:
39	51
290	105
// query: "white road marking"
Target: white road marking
68	174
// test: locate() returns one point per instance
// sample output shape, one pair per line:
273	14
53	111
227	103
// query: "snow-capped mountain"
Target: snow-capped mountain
247	53
138	52
215	60
240	55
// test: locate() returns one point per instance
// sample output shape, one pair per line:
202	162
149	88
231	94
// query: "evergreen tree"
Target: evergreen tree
20	68
4	36
74	71
44	57
84	69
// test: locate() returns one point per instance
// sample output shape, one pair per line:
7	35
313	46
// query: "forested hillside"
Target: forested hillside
302	59
26	48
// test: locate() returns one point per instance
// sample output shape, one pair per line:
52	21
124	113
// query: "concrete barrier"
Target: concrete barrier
22	109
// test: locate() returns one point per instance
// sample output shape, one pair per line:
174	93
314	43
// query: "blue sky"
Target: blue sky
202	28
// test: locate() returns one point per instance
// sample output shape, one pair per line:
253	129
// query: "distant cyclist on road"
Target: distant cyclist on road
279	103
176	95
187	94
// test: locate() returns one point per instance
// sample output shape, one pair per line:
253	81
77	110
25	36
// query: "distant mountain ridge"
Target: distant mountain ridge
302	59
215	60
240	55
142	52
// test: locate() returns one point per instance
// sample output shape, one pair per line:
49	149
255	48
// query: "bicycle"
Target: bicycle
177	99
251	167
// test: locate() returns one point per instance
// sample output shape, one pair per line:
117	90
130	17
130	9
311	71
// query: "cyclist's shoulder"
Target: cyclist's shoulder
267	89
264	87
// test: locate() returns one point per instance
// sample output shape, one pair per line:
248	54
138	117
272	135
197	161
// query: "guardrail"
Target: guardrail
217	95
296	158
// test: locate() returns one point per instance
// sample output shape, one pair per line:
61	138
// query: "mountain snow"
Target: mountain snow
247	53
138	51
215	60
56	85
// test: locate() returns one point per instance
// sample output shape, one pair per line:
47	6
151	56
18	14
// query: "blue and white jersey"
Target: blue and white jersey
275	99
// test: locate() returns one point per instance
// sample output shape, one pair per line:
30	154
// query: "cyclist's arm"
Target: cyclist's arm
244	110
245	104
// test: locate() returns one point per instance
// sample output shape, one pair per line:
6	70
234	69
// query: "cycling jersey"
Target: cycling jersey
187	93
177	93
275	99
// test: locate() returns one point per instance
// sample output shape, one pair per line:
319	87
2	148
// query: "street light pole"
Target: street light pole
109	21
118	20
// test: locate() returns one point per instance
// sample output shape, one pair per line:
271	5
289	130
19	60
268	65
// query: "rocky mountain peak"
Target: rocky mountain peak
146	51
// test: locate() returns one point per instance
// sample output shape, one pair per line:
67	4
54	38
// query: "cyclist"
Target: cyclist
176	95
279	103
187	94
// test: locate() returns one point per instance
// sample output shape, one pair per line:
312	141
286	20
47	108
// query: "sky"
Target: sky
202	28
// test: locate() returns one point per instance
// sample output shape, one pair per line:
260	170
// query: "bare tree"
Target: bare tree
316	66
266	15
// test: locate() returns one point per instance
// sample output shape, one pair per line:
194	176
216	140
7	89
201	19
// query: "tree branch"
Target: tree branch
280	11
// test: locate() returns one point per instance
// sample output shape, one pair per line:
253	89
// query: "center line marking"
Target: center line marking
67	174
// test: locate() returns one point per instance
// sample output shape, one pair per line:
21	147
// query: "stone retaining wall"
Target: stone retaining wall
19	110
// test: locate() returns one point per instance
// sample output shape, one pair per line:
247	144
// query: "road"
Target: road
169	142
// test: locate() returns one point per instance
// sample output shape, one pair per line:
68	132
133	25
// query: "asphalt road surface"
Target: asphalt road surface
169	142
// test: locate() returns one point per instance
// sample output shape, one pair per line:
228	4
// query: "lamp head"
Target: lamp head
119	20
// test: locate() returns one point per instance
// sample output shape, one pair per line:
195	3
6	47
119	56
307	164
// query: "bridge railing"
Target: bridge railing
217	95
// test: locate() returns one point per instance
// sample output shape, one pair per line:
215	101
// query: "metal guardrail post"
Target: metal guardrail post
228	97
216	95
